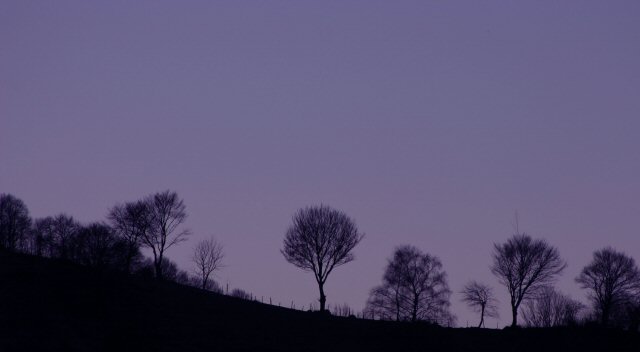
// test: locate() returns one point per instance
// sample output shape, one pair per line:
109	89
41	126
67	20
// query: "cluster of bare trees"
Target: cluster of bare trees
14	222
415	288
414	285
154	223
529	267
95	245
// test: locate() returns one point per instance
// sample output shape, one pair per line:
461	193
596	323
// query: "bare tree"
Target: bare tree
613	279
166	212
550	308
97	246
525	265
41	237
414	288
480	298
387	301
240	293
64	229
95	243
131	221
207	258
14	222
319	240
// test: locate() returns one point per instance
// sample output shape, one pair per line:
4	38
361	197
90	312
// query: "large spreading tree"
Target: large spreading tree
525	265
319	240
613	279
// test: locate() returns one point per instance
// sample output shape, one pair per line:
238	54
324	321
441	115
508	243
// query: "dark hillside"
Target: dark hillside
50	305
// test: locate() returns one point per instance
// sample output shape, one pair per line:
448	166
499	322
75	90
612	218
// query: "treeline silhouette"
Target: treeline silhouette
414	284
152	222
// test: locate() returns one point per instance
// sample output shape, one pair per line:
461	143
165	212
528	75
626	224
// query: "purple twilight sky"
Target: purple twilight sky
428	122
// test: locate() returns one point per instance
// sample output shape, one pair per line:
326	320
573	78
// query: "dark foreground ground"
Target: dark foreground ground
46	305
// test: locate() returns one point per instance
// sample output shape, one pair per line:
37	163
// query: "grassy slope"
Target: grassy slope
48	305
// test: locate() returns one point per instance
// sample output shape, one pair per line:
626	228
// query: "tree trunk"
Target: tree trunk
481	317
323	298
158	265
514	312
129	260
605	315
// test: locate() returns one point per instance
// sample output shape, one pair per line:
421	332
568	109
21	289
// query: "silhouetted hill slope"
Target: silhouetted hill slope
50	305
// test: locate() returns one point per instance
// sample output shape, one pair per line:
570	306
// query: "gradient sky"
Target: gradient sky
428	122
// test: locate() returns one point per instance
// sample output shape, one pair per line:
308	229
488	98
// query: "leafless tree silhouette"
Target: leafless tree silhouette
41	237
207	258
551	308
480	298
524	266
414	288
240	293
166	212
387	301
14	222
131	222
96	245
319	240
612	278
64	230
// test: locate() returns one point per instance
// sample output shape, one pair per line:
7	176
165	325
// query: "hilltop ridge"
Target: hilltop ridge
46	304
